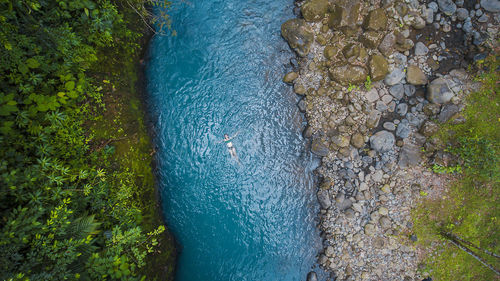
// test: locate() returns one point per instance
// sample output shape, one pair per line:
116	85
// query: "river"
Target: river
221	74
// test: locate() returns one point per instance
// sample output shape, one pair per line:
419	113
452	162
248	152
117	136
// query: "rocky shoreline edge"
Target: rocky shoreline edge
378	77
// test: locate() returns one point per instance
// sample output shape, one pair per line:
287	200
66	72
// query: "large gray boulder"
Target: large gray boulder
447	7
409	156
439	92
298	35
491	5
314	10
324	199
382	141
447	112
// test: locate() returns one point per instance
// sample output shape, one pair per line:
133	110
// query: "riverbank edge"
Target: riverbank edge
420	170
167	256
128	105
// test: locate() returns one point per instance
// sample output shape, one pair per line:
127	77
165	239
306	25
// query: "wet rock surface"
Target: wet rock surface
298	35
378	79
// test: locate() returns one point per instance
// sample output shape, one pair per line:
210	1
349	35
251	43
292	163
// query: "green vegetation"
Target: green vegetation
351	87
368	83
462	226
75	178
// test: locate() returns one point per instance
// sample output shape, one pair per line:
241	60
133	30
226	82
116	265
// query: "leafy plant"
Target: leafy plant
67	206
368	83
352	87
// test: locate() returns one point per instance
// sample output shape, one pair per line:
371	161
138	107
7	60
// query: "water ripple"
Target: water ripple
222	74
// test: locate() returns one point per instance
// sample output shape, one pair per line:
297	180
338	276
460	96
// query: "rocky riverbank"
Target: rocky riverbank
378	77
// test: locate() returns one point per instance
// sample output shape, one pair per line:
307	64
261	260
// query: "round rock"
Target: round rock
421	49
394	77
438	91
447	7
397	91
415	75
382	141
491	5
462	13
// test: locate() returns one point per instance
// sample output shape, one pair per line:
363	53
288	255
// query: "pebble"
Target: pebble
467	27
409	90
462	13
397	91
401	109
433	6
421	49
389	126
403	130
428	15
394	77
387	99
483	18
381	106
383	211
372	95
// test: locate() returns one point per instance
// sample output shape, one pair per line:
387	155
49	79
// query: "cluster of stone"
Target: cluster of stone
375	90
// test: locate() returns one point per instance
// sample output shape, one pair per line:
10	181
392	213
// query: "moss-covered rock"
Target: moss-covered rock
345	18
378	67
331	52
371	39
415	76
376	20
321	40
290	76
355	54
314	10
348	74
298	35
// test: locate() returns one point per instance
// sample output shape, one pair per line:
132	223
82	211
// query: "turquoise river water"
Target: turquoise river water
222	74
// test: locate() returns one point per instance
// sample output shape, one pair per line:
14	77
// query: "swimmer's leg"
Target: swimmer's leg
232	151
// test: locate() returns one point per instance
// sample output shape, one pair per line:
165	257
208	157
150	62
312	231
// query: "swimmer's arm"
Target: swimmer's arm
235	135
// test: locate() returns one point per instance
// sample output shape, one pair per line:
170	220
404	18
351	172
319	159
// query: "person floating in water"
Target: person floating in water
230	146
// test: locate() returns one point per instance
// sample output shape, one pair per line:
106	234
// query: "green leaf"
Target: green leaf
7	109
70	85
23	68
72	94
32	63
